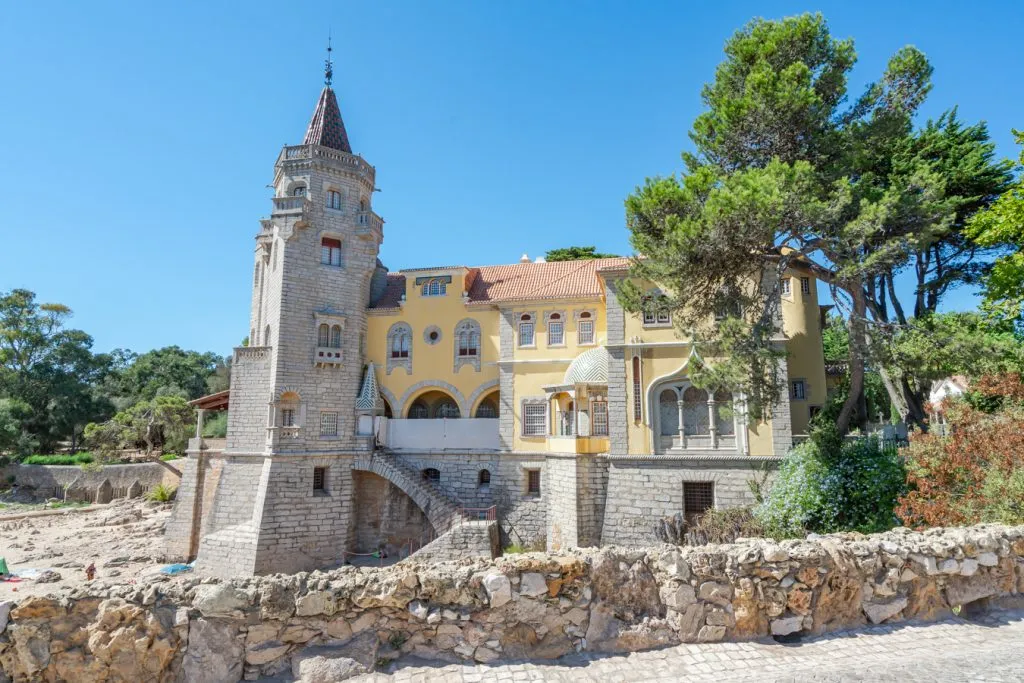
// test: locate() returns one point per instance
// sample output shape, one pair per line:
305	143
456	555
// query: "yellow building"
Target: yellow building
540	357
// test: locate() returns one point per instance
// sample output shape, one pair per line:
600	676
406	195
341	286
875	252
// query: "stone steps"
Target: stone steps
443	511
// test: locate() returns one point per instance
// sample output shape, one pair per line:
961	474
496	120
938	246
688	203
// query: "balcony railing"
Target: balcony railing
368	222
354	161
286	206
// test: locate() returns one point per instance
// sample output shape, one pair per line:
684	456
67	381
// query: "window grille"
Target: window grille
431	474
787	286
637	397
485	478
448	410
486	410
556	333
585	332
526	334
336	337
328	424
535	419
698	498
799	390
599	417
533	482
288	417
805	285
319	478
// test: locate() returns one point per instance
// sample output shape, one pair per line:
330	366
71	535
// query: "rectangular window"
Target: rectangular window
328	424
526	334
330	252
663	318
585	332
698	498
599	411
638	404
805	285
787	286
319	479
799	390
533	482
535	419
556	333
288	417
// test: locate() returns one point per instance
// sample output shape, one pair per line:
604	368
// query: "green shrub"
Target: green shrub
162	493
59	459
216	427
167	457
827	485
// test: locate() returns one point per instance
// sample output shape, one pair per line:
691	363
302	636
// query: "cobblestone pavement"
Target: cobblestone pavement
985	648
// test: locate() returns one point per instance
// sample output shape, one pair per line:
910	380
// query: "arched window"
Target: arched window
333	200
362	205
484	478
526	330
431	474
336	337
638	400
724	423
487	409
323	335
419	411
299	191
399	338
695	412
266	336
467	343
668	412
447	409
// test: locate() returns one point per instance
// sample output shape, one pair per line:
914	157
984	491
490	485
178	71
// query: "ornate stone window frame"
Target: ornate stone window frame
425	285
519	326
577	316
329	355
467	326
432	330
562	318
406	362
534	401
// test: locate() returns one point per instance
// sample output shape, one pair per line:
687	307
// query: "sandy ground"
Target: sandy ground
124	539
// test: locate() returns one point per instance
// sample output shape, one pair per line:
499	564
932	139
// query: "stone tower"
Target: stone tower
280	496
314	261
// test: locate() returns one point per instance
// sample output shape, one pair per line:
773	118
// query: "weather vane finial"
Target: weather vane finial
328	64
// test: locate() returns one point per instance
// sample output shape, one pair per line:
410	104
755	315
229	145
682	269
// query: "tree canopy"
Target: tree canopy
575	254
787	173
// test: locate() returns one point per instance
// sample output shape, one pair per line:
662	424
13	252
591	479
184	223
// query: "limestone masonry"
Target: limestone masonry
327	626
375	411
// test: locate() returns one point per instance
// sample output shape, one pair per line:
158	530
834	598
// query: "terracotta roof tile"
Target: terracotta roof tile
533	281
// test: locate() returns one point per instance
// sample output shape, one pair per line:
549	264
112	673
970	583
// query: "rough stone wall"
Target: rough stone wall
385	516
179	529
563	520
301	529
642	490
250	393
466	540
49	480
522	516
591	498
522	606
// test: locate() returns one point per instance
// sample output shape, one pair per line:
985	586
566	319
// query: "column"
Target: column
712	422
682	428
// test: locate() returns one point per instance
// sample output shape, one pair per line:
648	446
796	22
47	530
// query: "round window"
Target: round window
432	335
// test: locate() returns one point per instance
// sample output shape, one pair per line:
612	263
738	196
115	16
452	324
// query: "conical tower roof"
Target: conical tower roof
326	127
369	394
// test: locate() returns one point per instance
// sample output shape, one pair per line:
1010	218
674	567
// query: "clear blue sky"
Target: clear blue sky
138	138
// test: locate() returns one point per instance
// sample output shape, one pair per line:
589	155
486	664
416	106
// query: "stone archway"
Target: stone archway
386	517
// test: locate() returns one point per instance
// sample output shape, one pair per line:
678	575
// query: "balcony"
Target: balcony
302	154
289	206
461	434
326	355
369	224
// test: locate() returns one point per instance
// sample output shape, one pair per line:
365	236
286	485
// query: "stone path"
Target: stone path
986	648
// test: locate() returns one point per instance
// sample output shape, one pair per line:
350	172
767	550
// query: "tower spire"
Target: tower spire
328	64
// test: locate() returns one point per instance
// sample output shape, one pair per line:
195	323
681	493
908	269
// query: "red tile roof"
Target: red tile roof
326	127
521	282
533	281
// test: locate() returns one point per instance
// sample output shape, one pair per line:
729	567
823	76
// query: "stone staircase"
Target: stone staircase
443	511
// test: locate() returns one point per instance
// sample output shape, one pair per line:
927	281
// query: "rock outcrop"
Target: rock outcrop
323	626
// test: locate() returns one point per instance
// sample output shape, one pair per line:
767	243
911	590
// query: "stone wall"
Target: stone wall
521	606
49	481
385	516
466	540
642	490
